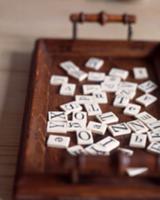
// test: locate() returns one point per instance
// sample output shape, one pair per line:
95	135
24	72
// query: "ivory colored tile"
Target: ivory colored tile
119	129
154	135
146	99
107	118
84	137
138	140
78	74
57	116
121	101
146	117
109	86
126	85
100	97
97	127
154	147
128	152
70	107
58	80
137	126
80	117
130	93
56	127
76	150
96	149
68	89
112	79
147	86
69	66
123	74
132	109
83	99
96	76
94	63
135	171
109	143
154	125
57	141
90	88
74	126
140	73
92	109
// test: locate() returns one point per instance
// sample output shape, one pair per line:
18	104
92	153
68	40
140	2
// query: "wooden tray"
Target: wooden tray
46	173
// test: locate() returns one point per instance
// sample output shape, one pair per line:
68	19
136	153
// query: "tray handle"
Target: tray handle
103	18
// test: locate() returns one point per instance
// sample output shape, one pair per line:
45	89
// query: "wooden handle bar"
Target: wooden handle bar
102	18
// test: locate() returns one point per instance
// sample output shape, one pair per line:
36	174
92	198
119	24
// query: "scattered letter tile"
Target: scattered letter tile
140	73
154	135
70	107
132	109
68	89
91	88
148	86
68	66
58	80
154	147
138	140
82	99
76	150
107	118
146	117
78	74
100	97
137	126
92	109
96	76
84	137
146	99
121	101
97	127
119	72
154	125
56	127
57	116
80	117
74	126
58	141
94	63
119	129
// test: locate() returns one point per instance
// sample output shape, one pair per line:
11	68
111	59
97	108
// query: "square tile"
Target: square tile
92	109
137	126
70	107
107	118
119	129
140	73
138	140
56	127
74	126
147	86
154	135
114	79
80	117
58	80
57	116
96	76
132	109
146	99
121	101
154	125
109	86
100	97
83	99
91	88
146	117
69	66
97	127
154	147
123	74
56	141
78	74
76	150
94	63
84	137
68	89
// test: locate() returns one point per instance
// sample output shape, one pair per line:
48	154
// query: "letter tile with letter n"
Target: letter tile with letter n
154	147
107	118
58	141
138	140
84	137
137	126
119	129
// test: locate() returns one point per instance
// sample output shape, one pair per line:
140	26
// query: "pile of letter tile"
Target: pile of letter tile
143	127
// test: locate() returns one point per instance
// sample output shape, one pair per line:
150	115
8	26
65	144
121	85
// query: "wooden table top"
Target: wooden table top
23	22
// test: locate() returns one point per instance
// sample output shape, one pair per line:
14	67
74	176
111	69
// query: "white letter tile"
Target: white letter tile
56	127
132	109
92	109
76	150
58	141
97	127
146	99
137	126
57	116
68	89
148	86
84	137
154	147
100	97
146	117
138	140
119	129
58	80
107	118
119	73
140	73
94	63
96	76
70	107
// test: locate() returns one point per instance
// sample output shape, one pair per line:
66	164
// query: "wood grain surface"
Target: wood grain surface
21	23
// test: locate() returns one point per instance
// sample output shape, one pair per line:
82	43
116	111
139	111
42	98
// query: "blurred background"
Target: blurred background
21	23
